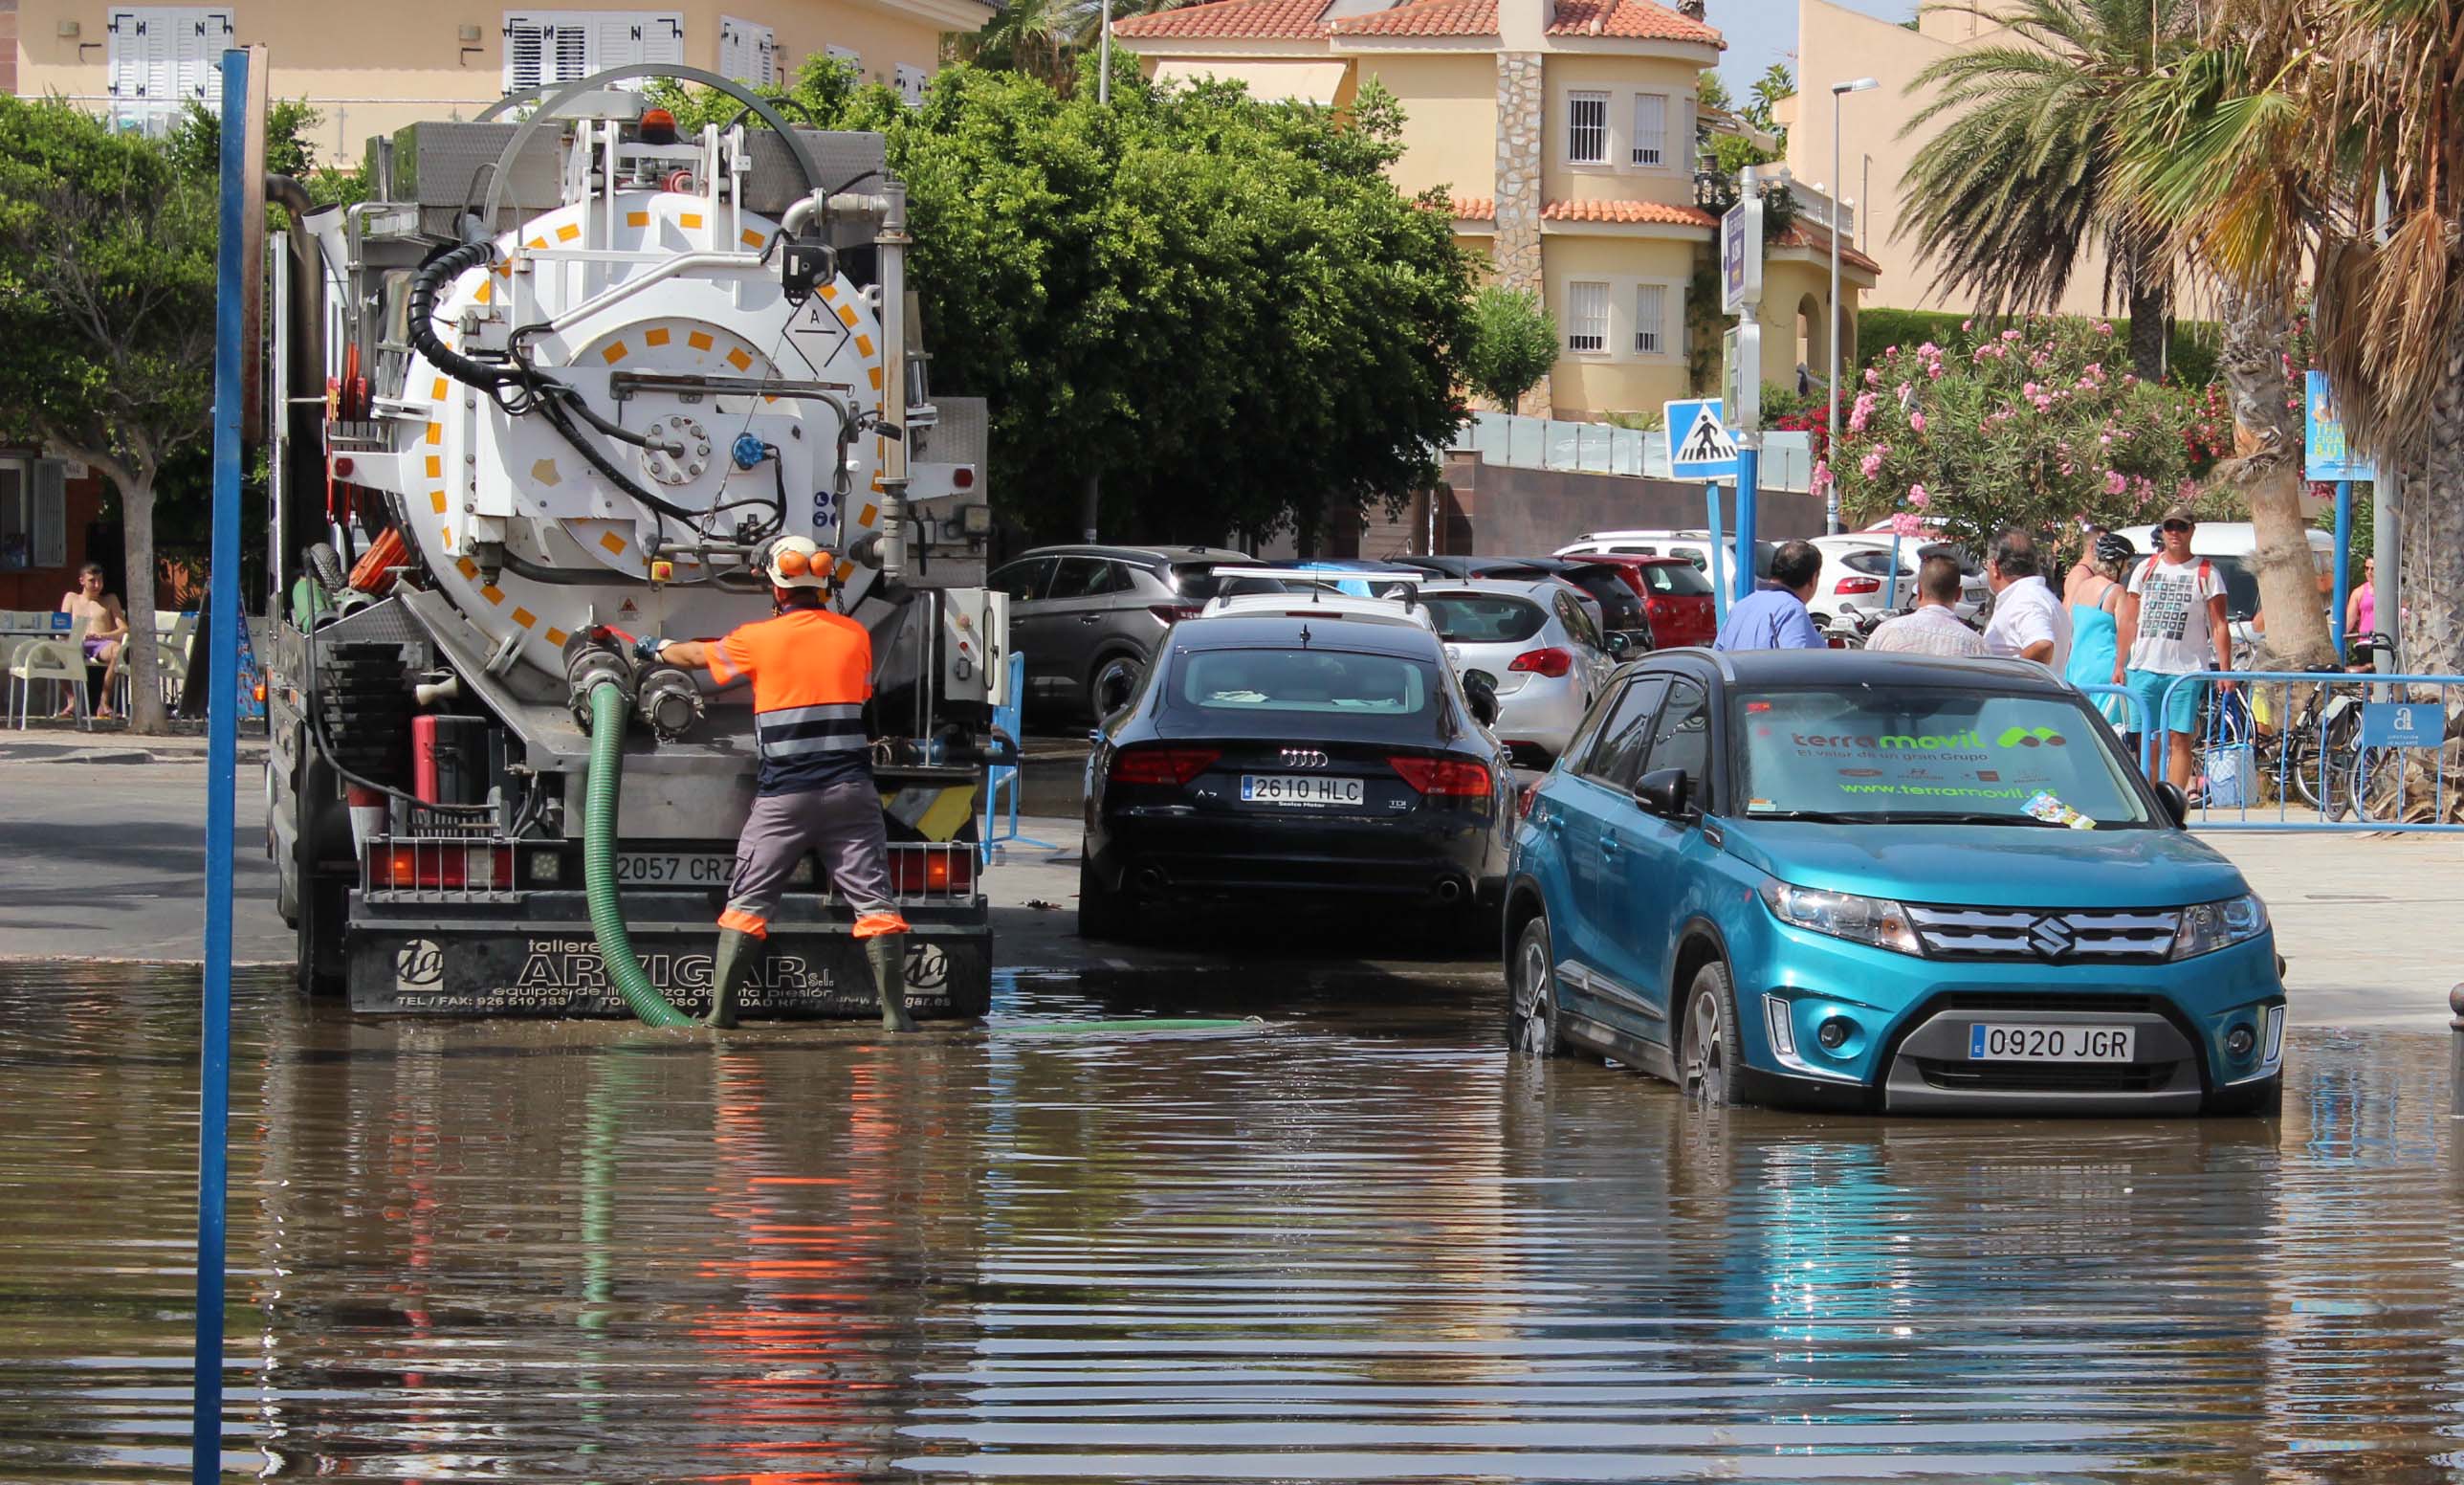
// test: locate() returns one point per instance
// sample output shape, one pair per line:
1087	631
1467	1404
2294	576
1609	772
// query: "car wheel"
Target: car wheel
1106	670
1103	913
1532	994
1711	1065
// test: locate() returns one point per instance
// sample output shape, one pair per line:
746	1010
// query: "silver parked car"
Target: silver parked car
1077	613
1539	648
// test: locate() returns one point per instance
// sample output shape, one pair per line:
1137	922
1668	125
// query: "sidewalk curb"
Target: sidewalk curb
89	753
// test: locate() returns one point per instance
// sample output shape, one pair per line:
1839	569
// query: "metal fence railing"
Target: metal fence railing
2296	750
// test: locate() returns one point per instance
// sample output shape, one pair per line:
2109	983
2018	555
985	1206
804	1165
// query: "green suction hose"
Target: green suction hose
607	711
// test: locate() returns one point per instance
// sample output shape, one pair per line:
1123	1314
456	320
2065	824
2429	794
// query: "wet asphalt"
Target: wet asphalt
1353	1241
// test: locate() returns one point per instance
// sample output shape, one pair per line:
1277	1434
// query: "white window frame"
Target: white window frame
1587	317
574	44
910	80
1665	329
848	54
1650	136
748	51
1575	129
157	59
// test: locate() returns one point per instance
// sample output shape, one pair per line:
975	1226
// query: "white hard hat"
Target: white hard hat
796	562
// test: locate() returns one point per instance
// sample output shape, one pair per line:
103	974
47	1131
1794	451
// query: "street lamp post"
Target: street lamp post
1103	64
1831	392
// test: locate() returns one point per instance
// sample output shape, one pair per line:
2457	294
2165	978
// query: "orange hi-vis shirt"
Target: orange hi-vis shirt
811	671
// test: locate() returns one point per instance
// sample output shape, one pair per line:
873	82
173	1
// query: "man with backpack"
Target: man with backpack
2174	623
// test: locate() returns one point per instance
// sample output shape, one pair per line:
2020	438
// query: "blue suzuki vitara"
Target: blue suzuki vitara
1883	881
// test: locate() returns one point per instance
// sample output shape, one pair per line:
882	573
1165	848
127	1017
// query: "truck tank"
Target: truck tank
579	372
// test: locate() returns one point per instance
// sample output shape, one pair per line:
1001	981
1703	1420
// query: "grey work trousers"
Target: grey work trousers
840	822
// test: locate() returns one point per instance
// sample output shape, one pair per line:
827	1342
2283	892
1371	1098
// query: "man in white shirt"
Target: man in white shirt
1934	626
2173	622
2029	622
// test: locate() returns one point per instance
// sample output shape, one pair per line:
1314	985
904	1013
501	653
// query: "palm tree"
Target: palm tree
2020	181
1043	38
2324	134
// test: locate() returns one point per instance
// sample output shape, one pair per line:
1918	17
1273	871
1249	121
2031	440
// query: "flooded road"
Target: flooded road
1359	1244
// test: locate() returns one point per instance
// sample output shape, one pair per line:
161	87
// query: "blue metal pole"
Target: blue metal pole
1891	589
1748	486
2343	564
222	758
1719	563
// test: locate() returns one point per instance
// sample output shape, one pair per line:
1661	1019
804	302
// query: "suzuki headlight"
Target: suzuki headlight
2210	926
1875	920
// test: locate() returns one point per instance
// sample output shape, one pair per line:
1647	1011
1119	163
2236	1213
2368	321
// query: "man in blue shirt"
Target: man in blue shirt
1775	618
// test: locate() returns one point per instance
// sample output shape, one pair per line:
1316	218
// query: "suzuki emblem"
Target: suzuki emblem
2051	937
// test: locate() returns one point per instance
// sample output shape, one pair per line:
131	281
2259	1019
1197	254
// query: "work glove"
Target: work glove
647	649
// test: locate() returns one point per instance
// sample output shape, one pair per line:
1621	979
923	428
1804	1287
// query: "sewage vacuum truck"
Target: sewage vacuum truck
560	385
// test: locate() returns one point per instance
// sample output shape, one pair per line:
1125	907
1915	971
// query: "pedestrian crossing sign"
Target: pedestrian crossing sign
1699	446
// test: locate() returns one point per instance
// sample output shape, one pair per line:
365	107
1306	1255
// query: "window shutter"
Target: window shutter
663	40
911	82
1650	319
746	50
1650	129
765	62
1587	317
51	520
526	42
848	54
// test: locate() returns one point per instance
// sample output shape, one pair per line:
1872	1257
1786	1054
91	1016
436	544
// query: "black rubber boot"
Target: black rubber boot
886	954
729	965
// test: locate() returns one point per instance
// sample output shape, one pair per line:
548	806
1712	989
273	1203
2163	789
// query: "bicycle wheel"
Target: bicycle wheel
2378	784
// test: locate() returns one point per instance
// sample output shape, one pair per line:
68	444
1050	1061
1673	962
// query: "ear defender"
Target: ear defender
791	564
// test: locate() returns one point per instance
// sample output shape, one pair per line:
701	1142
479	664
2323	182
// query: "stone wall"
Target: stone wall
1521	118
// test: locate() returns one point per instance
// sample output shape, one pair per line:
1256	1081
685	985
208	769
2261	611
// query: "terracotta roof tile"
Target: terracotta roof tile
1807	235
1629	19
1230	18
1626	212
1425	18
1475	209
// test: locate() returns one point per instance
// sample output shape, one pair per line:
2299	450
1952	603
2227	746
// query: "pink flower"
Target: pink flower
1820	483
2104	438
2105	330
2096	370
1860	412
1934	371
2010	335
1890	353
1871	465
2114	483
1905	524
1929	351
2027	389
1916	422
2187	491
1967	324
1918	497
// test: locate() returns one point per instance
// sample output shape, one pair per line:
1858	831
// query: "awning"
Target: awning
1273	82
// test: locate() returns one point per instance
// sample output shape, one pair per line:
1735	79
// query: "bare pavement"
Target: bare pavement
102	858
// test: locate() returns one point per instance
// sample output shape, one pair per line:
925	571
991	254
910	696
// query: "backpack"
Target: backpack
2207	572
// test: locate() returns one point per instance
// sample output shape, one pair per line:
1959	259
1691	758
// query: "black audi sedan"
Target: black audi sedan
1299	760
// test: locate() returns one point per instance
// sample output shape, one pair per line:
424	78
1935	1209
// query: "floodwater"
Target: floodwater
1358	1245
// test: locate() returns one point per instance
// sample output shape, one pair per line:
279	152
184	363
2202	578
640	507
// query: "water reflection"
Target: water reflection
1360	1245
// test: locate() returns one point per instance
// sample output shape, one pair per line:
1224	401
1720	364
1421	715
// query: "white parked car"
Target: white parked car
1856	576
1306	591
1540	648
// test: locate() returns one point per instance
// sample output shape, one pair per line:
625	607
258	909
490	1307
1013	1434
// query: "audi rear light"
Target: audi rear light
1172	765
1174	614
1551	662
1458	777
1858	585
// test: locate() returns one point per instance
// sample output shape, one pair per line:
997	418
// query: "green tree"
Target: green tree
1775	83
107	307
1045	38
1220	307
195	144
1512	344
2021	180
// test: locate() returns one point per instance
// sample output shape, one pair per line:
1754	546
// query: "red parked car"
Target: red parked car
1674	593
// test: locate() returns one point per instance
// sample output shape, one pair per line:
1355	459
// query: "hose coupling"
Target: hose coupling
669	705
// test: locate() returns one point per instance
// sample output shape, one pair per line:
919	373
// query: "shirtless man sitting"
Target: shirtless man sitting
106	630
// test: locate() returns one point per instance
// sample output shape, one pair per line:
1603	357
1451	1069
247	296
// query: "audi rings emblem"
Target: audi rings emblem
1303	758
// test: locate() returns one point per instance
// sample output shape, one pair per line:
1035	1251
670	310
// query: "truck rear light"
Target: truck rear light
443	865
1456	777
1172	766
1174	614
543	867
1551	662
1858	585
932	870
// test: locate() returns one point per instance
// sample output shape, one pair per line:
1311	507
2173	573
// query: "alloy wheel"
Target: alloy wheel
1707	1048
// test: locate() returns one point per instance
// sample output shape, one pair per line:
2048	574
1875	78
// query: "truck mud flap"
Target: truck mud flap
555	970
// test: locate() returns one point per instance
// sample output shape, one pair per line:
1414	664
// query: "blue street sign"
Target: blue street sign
2402	724
2324	452
1699	446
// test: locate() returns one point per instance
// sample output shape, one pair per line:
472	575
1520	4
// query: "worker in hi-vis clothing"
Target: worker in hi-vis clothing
811	671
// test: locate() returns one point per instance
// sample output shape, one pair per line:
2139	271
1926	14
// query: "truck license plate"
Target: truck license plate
673	869
2011	1043
1299	788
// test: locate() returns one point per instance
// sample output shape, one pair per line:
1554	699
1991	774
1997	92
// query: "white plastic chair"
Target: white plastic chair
53	660
171	656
